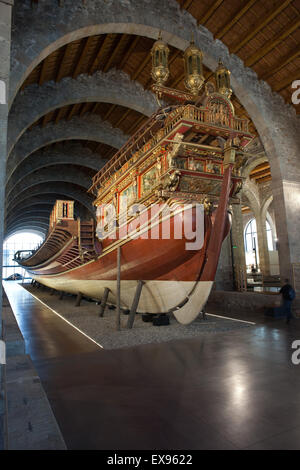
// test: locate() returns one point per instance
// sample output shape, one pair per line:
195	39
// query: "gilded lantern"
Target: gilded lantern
194	78
160	53
222	75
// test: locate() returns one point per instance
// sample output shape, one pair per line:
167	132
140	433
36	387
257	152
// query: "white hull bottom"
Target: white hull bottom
156	296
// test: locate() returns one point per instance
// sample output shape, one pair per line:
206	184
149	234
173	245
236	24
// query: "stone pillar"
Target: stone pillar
238	249
287	216
5	31
223	278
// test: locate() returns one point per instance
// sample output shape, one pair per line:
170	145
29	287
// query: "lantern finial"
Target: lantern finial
160	53
194	78
222	75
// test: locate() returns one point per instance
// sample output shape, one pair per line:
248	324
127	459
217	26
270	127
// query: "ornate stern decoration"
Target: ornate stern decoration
183	150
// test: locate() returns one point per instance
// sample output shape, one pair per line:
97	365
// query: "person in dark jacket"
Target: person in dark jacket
288	295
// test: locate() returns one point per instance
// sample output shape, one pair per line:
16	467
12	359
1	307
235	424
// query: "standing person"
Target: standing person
288	295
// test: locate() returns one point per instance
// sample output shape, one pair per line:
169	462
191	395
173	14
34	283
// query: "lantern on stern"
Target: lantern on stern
222	75
194	78
160	53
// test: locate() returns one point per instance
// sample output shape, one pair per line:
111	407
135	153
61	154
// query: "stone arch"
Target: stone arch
43	202
265	205
39	230
72	154
113	87
250	192
88	127
60	191
253	163
73	175
30	219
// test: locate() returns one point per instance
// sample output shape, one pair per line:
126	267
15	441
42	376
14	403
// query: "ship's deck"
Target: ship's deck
226	391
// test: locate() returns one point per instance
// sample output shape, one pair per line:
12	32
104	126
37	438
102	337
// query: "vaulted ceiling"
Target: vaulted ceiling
265	35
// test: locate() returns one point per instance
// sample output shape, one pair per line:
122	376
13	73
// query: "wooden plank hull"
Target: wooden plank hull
170	273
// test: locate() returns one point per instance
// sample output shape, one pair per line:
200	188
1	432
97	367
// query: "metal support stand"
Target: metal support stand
61	295
104	301
135	303
78	299
118	317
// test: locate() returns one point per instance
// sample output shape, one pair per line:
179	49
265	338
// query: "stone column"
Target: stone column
287	210
238	249
5	32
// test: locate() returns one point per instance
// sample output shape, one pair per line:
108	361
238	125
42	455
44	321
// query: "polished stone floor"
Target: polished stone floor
232	390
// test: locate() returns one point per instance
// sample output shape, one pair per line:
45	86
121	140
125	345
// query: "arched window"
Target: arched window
19	241
269	236
251	236
251	242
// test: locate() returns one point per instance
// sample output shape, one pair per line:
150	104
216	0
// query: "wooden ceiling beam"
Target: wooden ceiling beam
45	120
97	59
109	112
142	66
177	80
129	51
287	59
83	109
286	81
115	52
124	116
209	12
58	115
235	19
260	174
43	72
73	109
264	180
81	58
262	166
95	107
135	125
97	148
59	74
273	42
279	7
186	4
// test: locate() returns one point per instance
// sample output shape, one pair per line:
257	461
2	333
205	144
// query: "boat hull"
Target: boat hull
172	275
157	296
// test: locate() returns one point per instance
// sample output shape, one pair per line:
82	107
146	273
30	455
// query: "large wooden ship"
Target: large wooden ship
170	184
